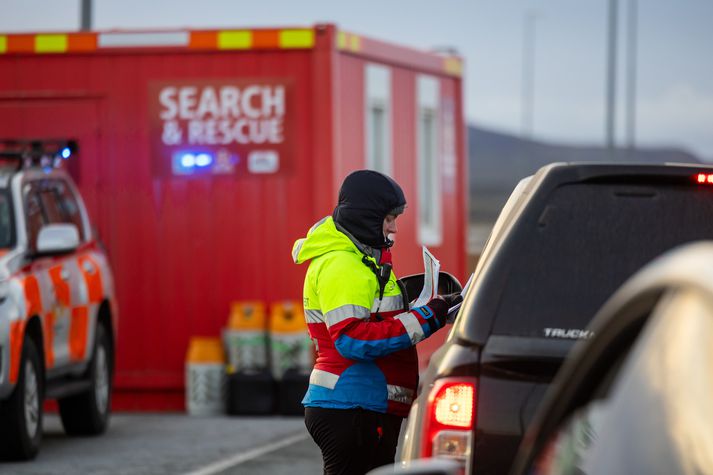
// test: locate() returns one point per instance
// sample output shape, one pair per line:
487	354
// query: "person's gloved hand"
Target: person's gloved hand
452	299
439	308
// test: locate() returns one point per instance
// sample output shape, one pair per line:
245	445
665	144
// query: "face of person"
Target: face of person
390	228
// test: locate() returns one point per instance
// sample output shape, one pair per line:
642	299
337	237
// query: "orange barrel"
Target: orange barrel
205	377
245	338
290	345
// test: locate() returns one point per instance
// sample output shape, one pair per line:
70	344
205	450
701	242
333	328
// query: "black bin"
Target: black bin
251	393
290	391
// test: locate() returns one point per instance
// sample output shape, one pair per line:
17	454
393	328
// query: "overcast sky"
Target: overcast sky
675	53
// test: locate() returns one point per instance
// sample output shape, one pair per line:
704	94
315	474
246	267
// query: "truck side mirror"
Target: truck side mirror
57	238
447	284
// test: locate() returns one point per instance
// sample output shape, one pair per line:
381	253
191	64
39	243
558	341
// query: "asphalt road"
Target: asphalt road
177	444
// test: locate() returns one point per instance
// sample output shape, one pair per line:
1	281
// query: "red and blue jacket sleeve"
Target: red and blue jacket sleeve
347	296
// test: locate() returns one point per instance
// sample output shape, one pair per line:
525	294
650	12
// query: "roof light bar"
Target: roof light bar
37	152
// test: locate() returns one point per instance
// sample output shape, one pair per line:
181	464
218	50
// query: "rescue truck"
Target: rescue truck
57	307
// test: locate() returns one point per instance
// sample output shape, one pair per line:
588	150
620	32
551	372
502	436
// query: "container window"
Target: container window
429	169
378	118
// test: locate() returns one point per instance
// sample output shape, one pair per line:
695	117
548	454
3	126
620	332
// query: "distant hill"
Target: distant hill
498	161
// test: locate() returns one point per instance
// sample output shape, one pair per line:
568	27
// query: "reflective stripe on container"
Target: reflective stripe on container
234	40
296	39
139	40
348	42
206	40
50	43
453	66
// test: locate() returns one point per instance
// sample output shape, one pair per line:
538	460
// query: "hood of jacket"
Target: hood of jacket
366	197
322	238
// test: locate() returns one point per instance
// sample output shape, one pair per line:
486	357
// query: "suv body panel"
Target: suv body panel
64	291
514	366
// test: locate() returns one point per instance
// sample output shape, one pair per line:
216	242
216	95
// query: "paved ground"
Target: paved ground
178	444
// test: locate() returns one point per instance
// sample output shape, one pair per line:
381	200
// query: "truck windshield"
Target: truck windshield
585	242
7	225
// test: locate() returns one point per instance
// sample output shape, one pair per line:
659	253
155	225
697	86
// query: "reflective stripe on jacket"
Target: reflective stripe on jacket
365	346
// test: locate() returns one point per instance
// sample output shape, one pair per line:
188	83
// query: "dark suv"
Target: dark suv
566	239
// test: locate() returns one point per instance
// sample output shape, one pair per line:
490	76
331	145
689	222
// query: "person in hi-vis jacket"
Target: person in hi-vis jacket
366	371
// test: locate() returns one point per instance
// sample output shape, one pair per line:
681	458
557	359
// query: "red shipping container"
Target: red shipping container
203	155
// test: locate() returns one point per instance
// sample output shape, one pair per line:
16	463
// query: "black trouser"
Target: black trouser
353	441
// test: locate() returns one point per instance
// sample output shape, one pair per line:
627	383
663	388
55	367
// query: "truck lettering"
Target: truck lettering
568	333
229	101
242	131
208	105
167	99
186	102
210	115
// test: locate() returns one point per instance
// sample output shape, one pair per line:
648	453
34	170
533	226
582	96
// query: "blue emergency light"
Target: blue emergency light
188	163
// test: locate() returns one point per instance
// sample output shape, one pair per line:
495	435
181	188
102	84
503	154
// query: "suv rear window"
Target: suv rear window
585	243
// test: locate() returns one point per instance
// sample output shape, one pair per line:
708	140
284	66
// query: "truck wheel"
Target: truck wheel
21	414
87	413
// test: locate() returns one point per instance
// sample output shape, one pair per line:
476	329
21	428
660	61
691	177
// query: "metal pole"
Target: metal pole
611	76
631	76
85	23
528	72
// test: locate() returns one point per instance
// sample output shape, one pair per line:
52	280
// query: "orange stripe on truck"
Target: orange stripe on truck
203	40
61	287
17	333
266	39
20	43
82	42
49	339
32	296
93	277
78	333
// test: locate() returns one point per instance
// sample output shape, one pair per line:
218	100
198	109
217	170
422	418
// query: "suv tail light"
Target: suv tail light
450	419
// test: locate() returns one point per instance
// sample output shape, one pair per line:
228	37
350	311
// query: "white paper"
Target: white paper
431	268
453	311
467	285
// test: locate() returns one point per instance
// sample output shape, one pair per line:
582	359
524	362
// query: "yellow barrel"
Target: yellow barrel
290	346
247	315
287	317
205	376
245	337
205	350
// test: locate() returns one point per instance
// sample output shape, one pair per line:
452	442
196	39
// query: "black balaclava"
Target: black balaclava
365	198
